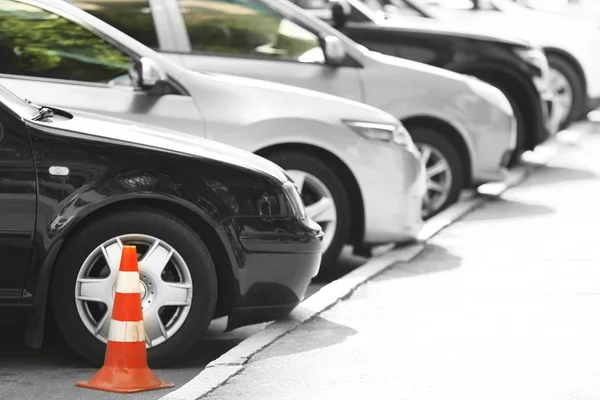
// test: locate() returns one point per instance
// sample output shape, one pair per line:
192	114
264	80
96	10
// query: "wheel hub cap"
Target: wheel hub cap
562	91
439	179
165	287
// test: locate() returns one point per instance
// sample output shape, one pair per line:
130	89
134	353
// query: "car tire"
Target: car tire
320	178
578	106
439	148
145	224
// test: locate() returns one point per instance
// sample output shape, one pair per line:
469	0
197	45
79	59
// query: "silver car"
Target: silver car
360	174
464	127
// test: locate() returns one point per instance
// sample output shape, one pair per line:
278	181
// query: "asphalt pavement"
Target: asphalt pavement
51	373
504	304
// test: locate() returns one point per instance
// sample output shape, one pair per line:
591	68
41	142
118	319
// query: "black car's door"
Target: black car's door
17	205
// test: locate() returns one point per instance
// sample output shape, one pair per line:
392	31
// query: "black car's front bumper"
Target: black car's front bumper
276	260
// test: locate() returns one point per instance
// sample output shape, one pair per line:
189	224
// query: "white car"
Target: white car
582	10
572	47
277	41
359	172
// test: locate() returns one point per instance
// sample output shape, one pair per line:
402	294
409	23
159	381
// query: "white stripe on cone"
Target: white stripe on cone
128	282
126	331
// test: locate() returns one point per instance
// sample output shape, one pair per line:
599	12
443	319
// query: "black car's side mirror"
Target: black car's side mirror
149	77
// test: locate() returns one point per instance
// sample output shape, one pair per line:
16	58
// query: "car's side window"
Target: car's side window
133	17
37	43
248	28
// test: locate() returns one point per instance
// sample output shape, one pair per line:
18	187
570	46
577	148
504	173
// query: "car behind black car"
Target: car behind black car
509	63
219	231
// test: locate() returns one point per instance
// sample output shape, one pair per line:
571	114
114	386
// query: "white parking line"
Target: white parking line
219	371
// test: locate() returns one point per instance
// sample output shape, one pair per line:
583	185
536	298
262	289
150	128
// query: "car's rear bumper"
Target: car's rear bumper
275	263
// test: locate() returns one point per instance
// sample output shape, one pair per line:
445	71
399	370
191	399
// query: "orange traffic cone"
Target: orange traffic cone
125	367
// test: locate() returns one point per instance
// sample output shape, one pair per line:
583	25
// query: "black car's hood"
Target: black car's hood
132	133
449	29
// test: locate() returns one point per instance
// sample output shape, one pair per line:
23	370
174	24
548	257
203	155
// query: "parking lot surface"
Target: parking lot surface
502	305
51	373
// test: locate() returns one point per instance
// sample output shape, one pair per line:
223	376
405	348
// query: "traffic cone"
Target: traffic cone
125	367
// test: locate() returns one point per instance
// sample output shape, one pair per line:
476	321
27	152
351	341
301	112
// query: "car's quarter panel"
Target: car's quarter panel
18	197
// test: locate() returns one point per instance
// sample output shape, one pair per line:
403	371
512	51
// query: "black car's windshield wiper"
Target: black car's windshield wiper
43	113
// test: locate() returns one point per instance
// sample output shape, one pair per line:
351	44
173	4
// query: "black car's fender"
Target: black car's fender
104	176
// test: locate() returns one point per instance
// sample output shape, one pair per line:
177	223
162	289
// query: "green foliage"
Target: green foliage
131	17
50	46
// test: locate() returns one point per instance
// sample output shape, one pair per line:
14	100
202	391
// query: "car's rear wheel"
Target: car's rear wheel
444	169
324	197
178	284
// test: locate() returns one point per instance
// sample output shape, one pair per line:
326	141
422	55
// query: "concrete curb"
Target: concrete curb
219	371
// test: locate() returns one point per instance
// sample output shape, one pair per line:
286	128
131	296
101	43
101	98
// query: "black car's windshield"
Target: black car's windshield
17	104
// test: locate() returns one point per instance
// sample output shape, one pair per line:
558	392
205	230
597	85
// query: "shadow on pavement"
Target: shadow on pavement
316	334
433	259
500	208
549	175
56	354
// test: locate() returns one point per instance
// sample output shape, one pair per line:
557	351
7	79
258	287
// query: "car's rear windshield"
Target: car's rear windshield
16	104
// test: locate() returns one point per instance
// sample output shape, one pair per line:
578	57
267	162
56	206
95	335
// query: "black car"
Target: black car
511	64
219	231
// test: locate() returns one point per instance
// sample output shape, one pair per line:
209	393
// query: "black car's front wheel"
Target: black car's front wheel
178	284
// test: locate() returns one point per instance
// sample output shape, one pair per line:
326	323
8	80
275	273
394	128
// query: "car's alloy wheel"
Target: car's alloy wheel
178	283
319	203
325	199
444	168
439	178
568	87
166	287
562	91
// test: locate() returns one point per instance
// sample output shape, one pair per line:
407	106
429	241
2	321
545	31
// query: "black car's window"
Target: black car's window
37	43
133	17
247	27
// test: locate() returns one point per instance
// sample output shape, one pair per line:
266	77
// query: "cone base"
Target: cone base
124	380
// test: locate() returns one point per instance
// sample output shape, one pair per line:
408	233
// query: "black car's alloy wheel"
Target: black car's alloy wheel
178	284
